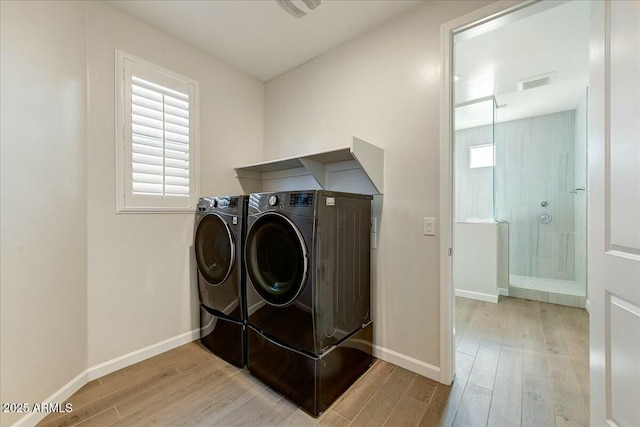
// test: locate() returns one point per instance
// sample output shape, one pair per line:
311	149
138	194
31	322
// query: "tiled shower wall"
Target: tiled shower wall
535	160
580	197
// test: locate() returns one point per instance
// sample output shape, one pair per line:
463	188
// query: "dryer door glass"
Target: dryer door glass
276	259
215	249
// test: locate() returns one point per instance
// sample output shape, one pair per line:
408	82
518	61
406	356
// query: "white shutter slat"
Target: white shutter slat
145	102
144	188
176	137
178	164
178	112
177	146
146	93
147	160
146	178
177	120
176	129
152	142
147	121
177	103
177	155
141	110
149	169
145	149
177	180
177	172
146	131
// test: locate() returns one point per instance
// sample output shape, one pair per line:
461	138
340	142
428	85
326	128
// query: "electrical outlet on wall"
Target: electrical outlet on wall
429	226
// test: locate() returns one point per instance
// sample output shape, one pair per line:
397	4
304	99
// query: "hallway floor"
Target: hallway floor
520	363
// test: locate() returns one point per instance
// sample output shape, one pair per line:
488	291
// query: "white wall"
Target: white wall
481	261
383	87
141	274
43	210
82	286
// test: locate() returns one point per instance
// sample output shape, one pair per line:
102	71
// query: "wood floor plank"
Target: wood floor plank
483	373
331	419
180	402
537	403
464	313
359	393
553	334
266	408
496	324
407	412
506	404
443	406
299	418
101	403
156	396
535	363
421	389
474	407
438	408
567	395
378	408
104	418
475	331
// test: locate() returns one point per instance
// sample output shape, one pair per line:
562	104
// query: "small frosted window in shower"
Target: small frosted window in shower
481	156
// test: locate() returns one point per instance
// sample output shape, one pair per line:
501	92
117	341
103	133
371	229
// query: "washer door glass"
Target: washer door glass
276	258
215	249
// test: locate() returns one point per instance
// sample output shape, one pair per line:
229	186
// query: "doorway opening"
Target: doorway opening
520	156
517	130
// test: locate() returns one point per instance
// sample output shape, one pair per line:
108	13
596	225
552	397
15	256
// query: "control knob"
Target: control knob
273	200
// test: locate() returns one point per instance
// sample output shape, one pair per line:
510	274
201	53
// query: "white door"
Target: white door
614	213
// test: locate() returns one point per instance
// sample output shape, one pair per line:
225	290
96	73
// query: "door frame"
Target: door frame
447	301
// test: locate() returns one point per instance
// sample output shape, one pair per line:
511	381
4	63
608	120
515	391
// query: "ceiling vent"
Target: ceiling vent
296	11
536	81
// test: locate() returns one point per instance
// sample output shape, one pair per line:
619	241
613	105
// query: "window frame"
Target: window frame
126	200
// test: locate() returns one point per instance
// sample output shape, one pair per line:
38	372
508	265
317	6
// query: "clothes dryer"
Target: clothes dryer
307	255
219	236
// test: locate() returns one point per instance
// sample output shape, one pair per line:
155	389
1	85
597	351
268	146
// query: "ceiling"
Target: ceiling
549	37
258	36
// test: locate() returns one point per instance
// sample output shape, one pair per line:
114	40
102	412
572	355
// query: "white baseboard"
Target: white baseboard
33	418
105	368
477	295
587	306
139	355
406	362
503	292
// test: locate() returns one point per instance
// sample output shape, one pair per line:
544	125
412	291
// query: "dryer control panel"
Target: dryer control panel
301	199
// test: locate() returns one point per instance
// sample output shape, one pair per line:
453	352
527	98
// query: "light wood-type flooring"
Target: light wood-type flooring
519	363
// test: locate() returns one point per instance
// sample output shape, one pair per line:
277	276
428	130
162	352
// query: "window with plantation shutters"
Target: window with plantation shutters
157	146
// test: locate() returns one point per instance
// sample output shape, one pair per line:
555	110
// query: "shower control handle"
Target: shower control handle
544	203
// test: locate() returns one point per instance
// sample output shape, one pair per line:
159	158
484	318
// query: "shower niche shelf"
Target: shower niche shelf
357	168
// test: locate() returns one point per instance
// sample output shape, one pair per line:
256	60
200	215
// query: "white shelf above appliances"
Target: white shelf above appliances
358	168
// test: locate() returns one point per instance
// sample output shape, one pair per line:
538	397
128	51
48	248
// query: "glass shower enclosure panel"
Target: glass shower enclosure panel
474	160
